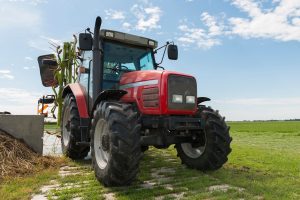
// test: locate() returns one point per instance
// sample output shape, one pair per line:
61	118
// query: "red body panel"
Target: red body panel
79	94
135	93
135	82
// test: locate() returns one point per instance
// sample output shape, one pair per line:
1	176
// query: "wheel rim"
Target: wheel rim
193	152
66	127
101	155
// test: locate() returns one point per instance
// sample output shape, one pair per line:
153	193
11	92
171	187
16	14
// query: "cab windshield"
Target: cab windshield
128	58
121	58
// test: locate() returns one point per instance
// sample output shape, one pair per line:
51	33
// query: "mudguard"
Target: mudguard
202	99
108	95
77	90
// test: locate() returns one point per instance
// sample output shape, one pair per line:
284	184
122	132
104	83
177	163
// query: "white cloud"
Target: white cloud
14	16
18	101
114	14
32	2
281	22
6	74
148	17
28	68
214	27
52	40
16	95
127	26
204	38
28	58
43	43
142	16
4	71
39	45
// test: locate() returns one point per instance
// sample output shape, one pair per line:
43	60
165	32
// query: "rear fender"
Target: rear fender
77	90
108	95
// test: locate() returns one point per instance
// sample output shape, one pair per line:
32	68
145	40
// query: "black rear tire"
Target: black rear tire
216	145
70	130
144	148
117	155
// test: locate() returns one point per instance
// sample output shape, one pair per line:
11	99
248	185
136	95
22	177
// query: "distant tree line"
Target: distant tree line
271	120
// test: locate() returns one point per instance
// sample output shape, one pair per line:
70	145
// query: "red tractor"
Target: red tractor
122	104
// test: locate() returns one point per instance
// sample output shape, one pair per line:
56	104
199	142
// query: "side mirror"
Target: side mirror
48	65
172	52
85	41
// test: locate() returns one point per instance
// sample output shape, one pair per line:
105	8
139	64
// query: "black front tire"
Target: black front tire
117	155
70	130
215	145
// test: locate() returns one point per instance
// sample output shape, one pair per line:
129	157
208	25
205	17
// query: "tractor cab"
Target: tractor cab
122	53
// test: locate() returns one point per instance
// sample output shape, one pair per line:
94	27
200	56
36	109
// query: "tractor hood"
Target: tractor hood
147	75
139	76
154	91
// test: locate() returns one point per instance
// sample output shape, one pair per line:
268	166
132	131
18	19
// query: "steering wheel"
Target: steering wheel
122	66
118	68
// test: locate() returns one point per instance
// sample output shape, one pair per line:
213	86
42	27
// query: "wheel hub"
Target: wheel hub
67	126
105	142
195	149
192	152
101	143
66	132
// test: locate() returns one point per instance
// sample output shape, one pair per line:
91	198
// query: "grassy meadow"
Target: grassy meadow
264	164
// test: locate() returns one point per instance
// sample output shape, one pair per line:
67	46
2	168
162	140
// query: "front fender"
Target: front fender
77	90
108	95
202	99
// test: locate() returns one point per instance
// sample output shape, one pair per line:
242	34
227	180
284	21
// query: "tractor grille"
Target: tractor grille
150	97
181	85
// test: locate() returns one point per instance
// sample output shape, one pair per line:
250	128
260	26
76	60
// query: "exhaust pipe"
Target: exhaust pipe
97	61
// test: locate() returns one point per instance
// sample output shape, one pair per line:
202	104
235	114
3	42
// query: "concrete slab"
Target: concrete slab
52	145
30	128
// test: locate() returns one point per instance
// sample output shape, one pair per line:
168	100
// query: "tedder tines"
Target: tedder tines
119	104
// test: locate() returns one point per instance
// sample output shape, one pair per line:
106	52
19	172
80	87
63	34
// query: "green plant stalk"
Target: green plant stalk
66	73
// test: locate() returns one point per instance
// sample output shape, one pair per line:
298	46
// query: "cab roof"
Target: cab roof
128	38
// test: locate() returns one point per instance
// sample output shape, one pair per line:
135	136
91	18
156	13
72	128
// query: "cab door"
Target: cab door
84	78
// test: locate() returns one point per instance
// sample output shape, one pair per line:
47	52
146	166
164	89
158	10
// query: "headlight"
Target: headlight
176	98
190	99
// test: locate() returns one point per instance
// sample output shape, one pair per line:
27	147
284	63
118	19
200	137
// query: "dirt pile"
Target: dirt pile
17	159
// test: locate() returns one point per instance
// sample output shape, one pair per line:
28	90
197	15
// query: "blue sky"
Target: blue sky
245	54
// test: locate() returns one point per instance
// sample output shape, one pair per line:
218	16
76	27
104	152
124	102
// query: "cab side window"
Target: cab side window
84	77
146	62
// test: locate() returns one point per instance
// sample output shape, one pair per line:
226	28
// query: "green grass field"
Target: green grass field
264	164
